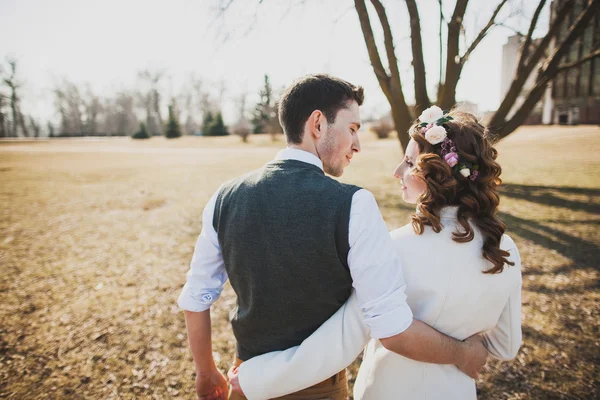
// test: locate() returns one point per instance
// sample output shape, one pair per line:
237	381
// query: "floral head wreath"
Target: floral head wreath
432	121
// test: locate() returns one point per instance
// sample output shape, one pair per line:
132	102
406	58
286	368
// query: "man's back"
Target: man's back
283	233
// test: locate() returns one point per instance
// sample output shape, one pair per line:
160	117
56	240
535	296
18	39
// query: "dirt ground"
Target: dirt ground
96	237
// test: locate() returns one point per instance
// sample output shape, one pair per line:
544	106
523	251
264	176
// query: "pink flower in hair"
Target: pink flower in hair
451	159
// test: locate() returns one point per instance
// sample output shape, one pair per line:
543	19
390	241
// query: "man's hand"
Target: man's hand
234	381
211	385
475	356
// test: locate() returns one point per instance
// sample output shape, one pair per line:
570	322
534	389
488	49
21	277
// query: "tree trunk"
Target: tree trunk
453	66
2	125
439	88
15	112
23	126
421	97
390	85
402	122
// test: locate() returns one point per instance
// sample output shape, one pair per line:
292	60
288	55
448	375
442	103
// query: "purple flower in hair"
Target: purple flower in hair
474	175
451	159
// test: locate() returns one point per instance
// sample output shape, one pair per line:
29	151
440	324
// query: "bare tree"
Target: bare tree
194	100
15	102
390	83
242	126
3	128
92	110
119	114
70	105
150	98
35	127
3	103
50	128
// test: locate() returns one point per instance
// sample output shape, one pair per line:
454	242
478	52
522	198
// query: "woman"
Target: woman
462	272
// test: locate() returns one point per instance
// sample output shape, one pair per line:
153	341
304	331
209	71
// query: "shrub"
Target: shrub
142	133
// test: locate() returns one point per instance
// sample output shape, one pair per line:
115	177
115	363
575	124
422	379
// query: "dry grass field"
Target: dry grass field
96	237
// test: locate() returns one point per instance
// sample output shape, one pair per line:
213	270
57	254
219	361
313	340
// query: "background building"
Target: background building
576	92
510	58
574	95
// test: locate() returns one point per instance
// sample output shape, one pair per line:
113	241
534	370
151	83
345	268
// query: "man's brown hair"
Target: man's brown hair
314	92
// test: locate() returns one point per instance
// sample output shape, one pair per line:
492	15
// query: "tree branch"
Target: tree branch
365	24
528	38
447	94
528	65
483	32
388	40
521	76
514	30
583	59
422	100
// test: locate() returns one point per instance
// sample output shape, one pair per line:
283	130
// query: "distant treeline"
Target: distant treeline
139	111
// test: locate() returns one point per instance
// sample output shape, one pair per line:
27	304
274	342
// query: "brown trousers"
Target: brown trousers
334	388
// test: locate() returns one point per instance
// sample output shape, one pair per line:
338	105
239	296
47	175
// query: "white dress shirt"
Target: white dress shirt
446	289
374	265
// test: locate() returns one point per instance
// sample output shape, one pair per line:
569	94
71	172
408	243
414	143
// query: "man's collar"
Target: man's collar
299	155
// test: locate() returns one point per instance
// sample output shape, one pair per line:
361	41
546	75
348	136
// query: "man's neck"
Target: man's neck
304	147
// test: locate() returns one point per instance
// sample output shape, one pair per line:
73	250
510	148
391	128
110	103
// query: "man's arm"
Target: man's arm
421	342
380	288
205	280
330	349
210	383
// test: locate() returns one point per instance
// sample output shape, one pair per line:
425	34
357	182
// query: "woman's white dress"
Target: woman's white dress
446	288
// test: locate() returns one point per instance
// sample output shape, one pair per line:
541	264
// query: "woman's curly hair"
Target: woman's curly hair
477	200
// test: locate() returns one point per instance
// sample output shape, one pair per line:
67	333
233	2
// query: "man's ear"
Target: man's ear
317	124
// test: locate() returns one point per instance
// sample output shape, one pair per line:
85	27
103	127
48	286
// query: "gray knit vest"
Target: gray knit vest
283	233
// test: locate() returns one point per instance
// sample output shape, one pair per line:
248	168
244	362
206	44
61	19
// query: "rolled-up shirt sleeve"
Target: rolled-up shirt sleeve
376	270
207	275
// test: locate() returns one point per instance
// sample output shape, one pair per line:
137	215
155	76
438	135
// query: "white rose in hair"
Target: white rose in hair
465	172
431	115
435	134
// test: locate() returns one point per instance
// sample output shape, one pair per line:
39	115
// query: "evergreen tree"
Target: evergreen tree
173	130
265	112
207	122
217	127
142	133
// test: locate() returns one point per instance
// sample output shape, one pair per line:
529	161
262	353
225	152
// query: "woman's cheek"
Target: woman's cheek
417	187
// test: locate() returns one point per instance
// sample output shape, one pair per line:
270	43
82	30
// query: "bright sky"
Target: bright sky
105	43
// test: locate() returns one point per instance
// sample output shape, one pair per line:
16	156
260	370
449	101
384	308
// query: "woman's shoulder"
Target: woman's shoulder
403	232
508	244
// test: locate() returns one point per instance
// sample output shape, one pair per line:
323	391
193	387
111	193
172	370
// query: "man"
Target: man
294	242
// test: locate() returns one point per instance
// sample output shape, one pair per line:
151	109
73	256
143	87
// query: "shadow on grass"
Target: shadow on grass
583	254
560	351
546	195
